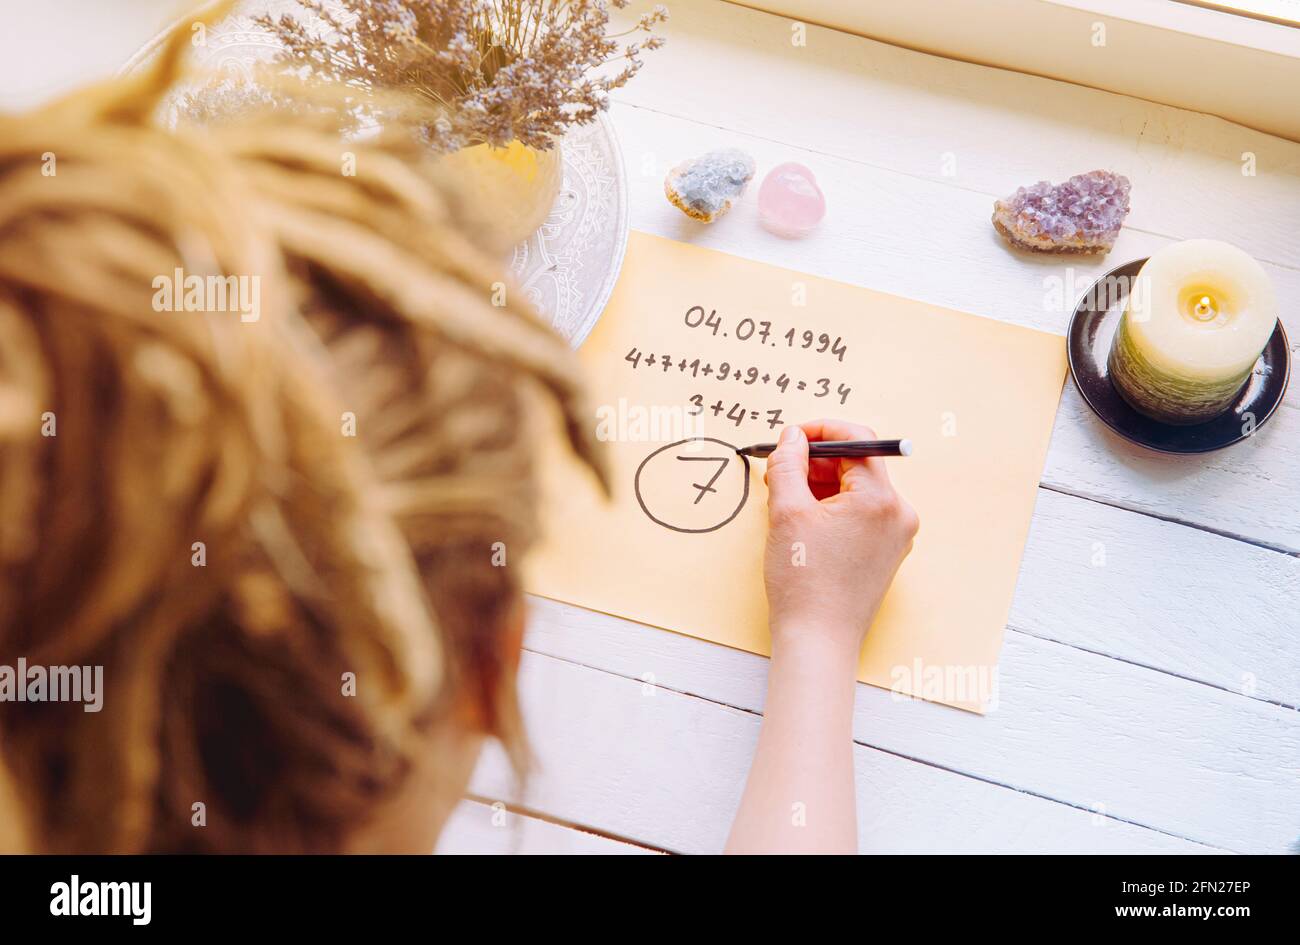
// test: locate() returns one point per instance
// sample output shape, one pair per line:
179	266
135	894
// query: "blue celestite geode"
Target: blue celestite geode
705	188
1083	215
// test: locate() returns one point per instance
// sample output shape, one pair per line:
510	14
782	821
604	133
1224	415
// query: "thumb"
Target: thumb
787	470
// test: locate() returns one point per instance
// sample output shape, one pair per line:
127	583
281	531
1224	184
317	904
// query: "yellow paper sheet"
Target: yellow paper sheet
680	545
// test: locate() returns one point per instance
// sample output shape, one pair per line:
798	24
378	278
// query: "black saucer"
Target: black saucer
1092	329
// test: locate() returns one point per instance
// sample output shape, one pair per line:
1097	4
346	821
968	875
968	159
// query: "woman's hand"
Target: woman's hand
837	533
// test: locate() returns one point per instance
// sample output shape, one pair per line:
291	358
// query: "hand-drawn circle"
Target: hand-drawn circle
744	495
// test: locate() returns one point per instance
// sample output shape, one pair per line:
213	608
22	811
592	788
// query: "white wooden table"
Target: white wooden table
1150	675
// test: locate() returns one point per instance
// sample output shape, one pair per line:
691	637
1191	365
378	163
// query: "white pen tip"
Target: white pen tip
905	447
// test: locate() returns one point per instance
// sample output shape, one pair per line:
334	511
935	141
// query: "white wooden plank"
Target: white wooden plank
477	828
667	769
1087	730
1250	490
937	236
1162	595
1166	596
895	108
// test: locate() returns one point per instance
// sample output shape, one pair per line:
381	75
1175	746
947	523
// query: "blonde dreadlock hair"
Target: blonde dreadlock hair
325	554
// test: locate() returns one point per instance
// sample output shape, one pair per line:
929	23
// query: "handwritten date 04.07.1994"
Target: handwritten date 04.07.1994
763	333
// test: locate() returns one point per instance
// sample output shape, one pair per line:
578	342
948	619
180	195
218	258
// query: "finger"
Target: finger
850	474
865	474
829	471
824	471
831	429
787	471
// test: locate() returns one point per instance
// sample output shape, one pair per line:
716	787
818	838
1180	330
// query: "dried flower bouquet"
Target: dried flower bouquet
480	71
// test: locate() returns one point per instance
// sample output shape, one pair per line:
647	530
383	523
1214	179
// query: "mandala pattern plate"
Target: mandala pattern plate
569	266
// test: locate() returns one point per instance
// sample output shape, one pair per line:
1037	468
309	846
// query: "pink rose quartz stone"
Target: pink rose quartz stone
789	201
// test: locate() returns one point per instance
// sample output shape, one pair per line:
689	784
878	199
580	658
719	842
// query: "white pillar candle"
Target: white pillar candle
1198	315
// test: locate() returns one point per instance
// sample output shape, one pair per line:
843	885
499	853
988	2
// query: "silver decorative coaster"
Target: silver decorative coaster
569	266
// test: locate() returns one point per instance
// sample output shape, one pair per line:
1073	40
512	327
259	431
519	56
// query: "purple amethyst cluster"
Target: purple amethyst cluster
1083	215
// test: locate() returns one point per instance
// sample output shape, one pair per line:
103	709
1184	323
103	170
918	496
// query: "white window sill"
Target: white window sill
1240	68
